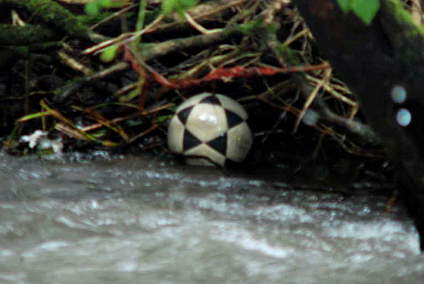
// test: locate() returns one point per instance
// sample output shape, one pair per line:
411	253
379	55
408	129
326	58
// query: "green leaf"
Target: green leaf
188	3
169	6
109	53
113	4
92	8
251	27
33	116
105	3
179	6
345	5
163	118
366	9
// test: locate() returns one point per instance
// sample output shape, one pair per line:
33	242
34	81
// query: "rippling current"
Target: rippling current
141	220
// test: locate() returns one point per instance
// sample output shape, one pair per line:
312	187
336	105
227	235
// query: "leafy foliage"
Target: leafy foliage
179	6
94	8
109	53
363	9
345	5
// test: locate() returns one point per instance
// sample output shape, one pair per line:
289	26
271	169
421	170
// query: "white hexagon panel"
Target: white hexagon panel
210	129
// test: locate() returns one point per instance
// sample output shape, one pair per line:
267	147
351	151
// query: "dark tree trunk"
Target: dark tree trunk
372	60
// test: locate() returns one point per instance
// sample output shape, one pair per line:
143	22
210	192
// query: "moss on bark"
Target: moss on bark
15	35
406	37
56	16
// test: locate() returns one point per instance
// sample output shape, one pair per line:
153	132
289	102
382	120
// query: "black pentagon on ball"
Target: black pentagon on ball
233	119
184	114
211	100
190	141
219	144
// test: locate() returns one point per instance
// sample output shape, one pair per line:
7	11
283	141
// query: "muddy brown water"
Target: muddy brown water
144	220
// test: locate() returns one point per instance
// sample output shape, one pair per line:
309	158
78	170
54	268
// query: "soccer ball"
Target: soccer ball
210	129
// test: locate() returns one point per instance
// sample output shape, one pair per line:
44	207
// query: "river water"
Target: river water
144	220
